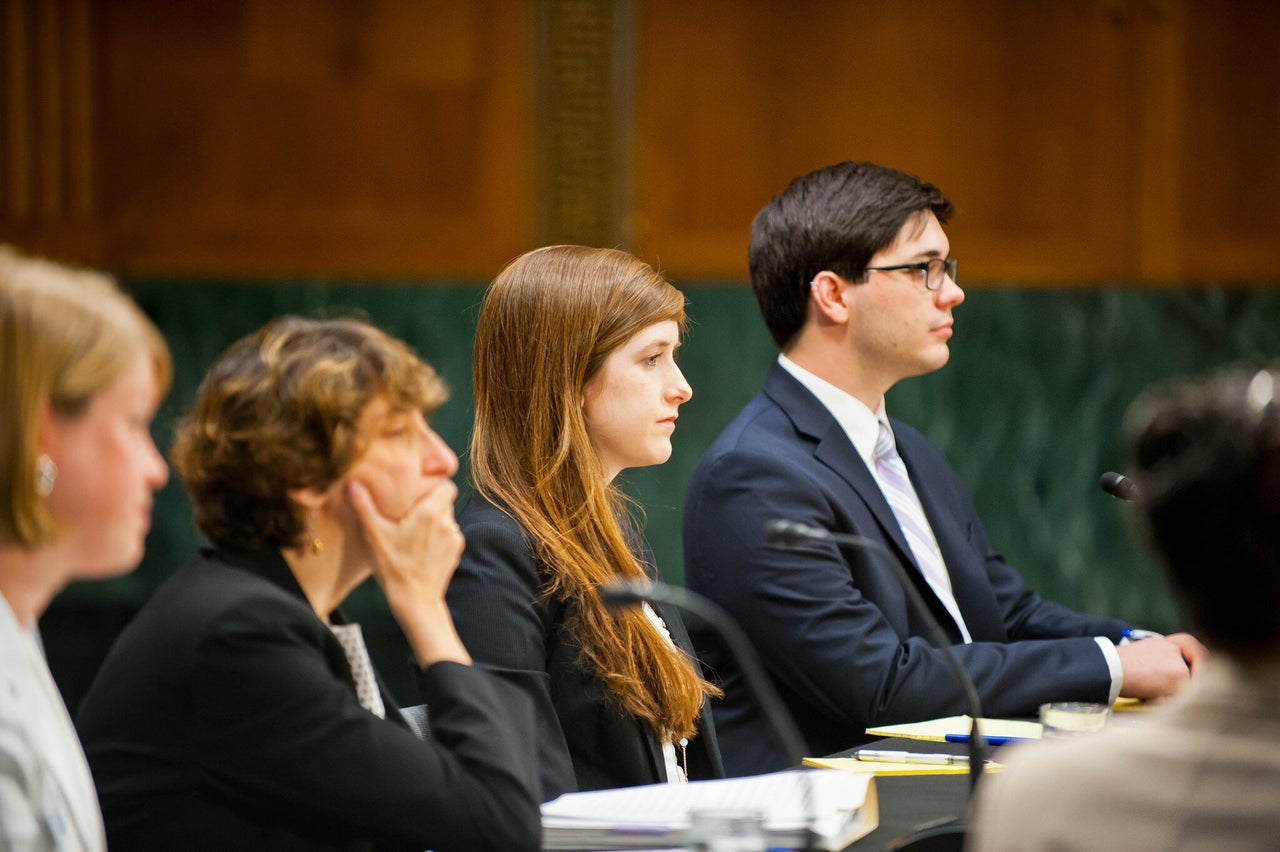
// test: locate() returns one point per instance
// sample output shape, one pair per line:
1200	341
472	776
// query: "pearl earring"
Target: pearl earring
46	475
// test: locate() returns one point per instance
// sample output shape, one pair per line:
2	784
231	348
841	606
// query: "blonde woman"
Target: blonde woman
82	371
576	380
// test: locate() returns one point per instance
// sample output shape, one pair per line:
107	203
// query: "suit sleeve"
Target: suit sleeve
1028	616
503	621
265	695
835	646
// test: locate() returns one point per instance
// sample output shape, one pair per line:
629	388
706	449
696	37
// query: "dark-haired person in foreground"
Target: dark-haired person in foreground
1203	771
239	710
855	279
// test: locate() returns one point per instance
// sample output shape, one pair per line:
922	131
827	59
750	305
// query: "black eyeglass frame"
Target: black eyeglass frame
932	281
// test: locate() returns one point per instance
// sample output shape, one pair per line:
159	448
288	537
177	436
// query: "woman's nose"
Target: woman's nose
438	459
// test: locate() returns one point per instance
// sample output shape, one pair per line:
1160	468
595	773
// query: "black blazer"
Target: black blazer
834	628
587	742
225	717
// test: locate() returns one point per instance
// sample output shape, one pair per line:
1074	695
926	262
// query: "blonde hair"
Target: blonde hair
65	335
548	322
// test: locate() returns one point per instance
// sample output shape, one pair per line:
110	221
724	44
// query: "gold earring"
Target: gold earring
317	544
46	475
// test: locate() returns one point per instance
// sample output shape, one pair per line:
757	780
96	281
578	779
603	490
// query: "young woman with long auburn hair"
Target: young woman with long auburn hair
575	381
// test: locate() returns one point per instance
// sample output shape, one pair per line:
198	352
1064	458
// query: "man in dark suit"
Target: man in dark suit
853	274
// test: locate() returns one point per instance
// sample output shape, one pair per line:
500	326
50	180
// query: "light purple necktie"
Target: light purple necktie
896	486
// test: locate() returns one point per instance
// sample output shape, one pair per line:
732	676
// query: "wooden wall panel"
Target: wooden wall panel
1229	169
1084	141
993	101
1072	136
287	137
46	112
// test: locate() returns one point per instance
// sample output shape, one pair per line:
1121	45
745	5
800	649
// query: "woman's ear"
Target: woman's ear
308	498
827	291
48	432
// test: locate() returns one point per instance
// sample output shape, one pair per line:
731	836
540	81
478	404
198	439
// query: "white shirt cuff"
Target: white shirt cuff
1112	657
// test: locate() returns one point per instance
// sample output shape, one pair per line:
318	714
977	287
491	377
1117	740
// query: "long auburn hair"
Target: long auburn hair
548	322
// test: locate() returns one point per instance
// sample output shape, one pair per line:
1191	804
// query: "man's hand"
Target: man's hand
1155	667
1193	651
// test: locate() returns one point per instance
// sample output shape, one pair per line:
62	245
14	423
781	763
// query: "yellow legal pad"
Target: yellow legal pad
1127	705
936	730
850	764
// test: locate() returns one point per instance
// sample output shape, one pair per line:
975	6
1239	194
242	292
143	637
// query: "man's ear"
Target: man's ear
827	291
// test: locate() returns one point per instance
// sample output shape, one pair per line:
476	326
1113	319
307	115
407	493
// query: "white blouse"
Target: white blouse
675	771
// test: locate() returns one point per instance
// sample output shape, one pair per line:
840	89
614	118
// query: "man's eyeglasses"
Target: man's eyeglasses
927	272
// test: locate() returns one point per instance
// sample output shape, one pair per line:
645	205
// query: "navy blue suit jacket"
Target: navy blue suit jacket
834	629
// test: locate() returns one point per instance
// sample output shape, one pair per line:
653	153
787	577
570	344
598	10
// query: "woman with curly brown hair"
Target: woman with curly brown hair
576	380
239	710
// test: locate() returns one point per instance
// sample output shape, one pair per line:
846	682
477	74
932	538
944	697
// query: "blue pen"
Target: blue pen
995	741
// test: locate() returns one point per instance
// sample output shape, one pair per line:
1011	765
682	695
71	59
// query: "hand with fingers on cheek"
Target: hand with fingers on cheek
414	557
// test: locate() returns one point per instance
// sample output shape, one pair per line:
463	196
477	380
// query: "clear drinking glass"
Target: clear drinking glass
1071	718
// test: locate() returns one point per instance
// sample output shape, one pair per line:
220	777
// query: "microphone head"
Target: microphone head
619	593
1119	486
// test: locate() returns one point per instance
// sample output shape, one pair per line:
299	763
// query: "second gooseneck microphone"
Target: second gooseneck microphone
786	533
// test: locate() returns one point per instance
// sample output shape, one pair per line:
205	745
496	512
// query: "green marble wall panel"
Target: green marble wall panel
1029	411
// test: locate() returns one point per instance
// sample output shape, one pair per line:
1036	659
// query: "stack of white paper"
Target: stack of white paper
838	807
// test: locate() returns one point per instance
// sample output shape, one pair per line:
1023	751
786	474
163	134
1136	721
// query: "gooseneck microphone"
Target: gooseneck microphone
786	533
625	592
1119	486
620	593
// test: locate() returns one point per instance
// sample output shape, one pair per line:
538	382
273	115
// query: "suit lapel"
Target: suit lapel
388	701
835	450
969	583
271	566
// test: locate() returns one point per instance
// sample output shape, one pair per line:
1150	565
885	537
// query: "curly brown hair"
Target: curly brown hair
279	411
